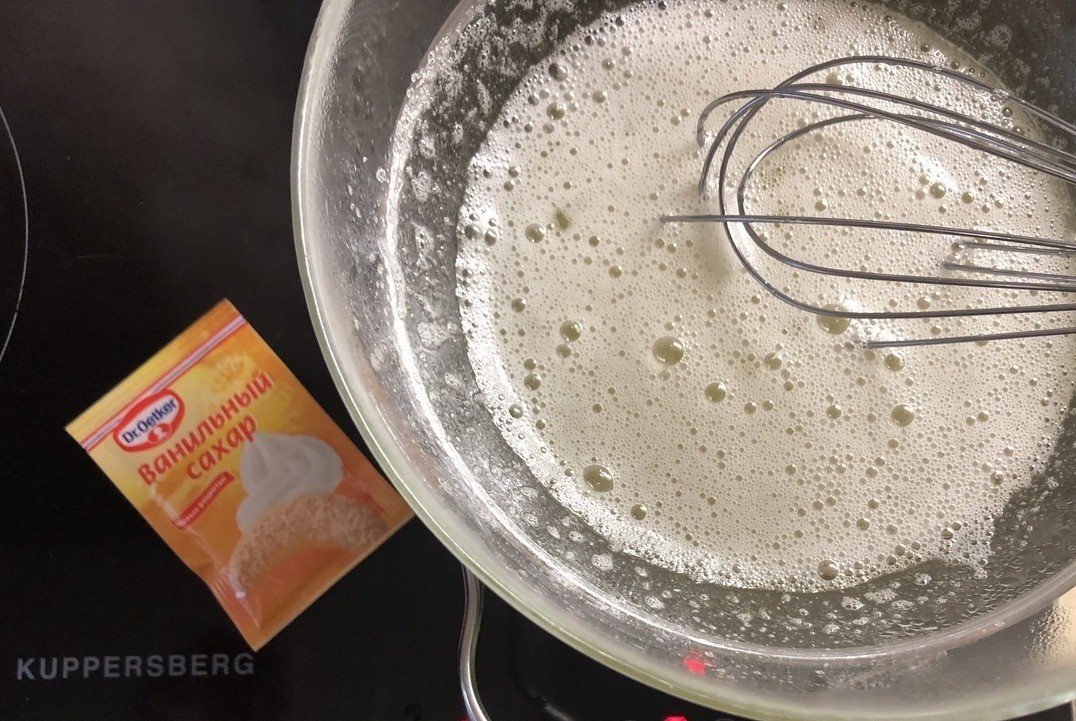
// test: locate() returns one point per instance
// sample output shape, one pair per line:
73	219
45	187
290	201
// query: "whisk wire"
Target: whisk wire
944	123
1000	142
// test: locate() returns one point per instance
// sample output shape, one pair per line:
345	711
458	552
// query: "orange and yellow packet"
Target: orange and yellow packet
241	472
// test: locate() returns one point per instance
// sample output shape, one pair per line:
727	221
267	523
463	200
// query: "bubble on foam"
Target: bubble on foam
668	350
716	392
660	393
598	477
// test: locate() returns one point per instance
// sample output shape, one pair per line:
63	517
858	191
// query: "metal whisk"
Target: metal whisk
853	104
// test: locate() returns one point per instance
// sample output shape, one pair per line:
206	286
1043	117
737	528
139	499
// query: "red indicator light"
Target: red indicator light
695	666
675	718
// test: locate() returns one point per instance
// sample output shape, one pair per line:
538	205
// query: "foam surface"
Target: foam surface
661	393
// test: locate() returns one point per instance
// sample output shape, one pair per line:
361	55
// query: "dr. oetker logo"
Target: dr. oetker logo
150	423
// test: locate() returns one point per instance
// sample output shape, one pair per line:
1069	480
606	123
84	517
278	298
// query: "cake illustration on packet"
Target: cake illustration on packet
291	505
241	472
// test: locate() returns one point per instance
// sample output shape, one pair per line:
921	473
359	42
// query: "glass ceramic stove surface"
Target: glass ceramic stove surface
154	142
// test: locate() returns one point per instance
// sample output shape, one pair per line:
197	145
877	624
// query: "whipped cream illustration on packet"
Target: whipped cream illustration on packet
291	505
275	468
217	406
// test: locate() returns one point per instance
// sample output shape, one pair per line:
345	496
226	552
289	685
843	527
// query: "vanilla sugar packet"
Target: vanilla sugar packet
241	472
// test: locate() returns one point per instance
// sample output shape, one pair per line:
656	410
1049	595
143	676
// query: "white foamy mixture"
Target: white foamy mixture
661	393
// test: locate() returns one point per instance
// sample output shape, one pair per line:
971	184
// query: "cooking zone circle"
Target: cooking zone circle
14	225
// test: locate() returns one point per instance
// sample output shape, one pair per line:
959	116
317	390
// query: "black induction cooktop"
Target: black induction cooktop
153	141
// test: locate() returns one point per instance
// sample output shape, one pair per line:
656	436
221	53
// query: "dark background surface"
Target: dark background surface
155	140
